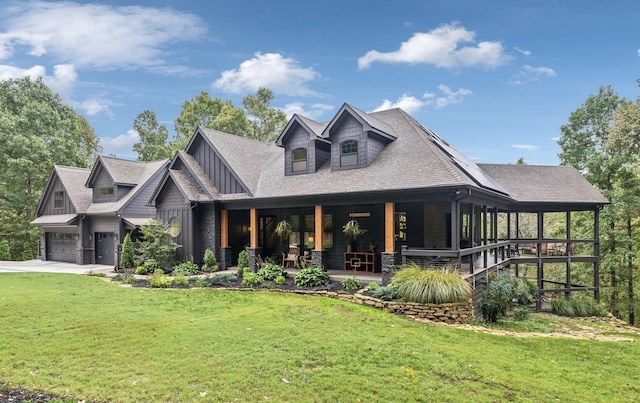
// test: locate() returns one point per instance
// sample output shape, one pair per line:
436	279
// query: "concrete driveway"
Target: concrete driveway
39	266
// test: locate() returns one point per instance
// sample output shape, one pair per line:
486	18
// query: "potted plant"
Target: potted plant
352	231
283	229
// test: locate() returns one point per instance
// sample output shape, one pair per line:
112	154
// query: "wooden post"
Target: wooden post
319	228
253	223
389	228
596	253
224	228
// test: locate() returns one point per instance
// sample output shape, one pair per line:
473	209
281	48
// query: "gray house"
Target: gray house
83	214
418	198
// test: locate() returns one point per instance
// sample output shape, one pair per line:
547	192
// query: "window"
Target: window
58	199
299	160
174	227
106	191
349	153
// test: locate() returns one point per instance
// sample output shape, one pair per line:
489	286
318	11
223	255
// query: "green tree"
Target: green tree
153	138
36	131
584	143
127	258
266	122
156	244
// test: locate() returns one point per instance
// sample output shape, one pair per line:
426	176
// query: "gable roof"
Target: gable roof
369	121
146	171
123	172
72	180
314	128
544	184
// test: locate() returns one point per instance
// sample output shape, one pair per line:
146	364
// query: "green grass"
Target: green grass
83	336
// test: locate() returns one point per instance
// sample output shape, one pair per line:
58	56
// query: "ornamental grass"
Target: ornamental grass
431	285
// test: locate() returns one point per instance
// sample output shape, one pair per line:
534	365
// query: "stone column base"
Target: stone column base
388	262
317	258
225	260
253	258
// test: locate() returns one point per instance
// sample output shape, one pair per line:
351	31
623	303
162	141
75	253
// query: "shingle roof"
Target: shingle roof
201	179
146	170
544	184
245	157
124	172
73	180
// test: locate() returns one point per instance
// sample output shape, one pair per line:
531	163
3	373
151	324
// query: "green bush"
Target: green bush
373	285
243	259
385	293
521	313
311	277
280	280
124	279
351	283
187	268
502	289
209	259
5	251
160	280
148	266
271	272
224	279
577	307
200	282
127	258
156	243
430	286
251	279
180	279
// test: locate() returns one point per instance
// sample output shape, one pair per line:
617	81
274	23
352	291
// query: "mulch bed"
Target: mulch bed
14	395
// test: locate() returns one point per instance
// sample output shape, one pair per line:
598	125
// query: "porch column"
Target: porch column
596	253
225	259
253	250
389	257
317	254
540	271
567	247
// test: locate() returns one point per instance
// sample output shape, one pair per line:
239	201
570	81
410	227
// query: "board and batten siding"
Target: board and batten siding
174	204
139	206
215	168
348	129
102	180
48	206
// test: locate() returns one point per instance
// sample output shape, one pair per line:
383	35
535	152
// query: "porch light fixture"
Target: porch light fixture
359	215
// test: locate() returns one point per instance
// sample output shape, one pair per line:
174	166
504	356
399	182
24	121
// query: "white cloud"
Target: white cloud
62	81
10	72
95	36
407	103
314	111
411	104
523	51
527	147
529	73
271	70
442	47
122	144
94	106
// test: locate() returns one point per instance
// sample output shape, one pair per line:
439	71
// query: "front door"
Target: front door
104	248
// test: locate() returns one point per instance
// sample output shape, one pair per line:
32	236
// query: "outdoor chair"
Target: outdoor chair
291	258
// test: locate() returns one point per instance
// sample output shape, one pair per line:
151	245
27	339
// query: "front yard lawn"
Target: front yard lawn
82	336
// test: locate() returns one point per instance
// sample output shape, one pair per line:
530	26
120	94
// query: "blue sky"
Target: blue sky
496	79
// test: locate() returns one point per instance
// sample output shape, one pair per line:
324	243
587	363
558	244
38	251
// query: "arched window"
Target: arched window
299	160
349	153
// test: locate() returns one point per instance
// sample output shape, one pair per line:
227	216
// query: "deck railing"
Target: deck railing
471	259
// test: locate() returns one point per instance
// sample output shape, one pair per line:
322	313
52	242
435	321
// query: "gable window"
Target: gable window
349	153
174	227
299	160
106	191
58	199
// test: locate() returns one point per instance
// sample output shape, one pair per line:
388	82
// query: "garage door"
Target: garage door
61	247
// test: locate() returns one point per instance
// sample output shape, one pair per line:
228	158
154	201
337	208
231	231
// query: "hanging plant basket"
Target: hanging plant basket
352	231
283	229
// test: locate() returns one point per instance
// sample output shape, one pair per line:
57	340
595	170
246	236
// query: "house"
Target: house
417	198
84	214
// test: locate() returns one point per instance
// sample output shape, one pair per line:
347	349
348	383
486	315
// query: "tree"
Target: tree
156	244
127	258
267	122
153	138
36	131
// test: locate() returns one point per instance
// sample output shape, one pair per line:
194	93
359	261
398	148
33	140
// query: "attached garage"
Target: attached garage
61	247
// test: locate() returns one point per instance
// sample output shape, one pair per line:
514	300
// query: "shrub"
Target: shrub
251	279
280	280
577	306
502	289
351	283
159	280
156	244
148	266
5	251
243	259
311	277
271	271
224	279
200	282
521	313
186	268
373	285
385	293
127	259
210	263
180	279
426	286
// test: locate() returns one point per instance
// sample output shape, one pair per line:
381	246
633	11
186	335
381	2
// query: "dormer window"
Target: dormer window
299	160
58	200
107	191
349	153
